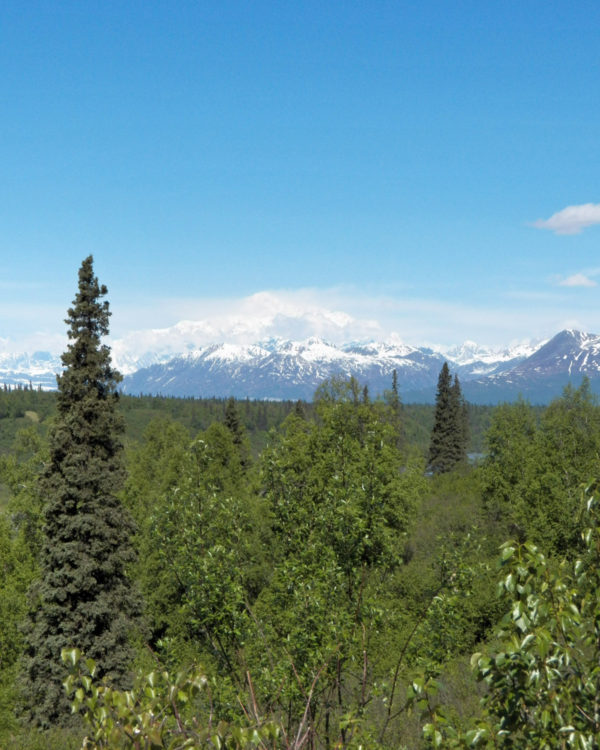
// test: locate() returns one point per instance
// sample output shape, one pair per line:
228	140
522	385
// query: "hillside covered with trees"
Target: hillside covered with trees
217	573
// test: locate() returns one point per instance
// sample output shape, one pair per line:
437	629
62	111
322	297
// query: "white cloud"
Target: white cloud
338	314
578	279
572	219
29	326
54	343
284	314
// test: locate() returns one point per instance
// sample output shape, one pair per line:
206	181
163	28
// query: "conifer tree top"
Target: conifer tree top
87	313
87	361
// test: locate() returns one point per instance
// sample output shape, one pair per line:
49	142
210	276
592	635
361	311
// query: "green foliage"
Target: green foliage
154	465
342	499
394	403
20	472
511	455
256	418
449	435
17	570
55	738
543	678
84	597
339	483
313	582
455	616
162	711
238	433
20	541
461	419
569	444
22	408
207	534
533	472
154	468
203	533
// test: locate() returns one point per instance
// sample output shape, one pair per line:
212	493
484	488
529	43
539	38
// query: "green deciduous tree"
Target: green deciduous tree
533	473
510	457
17	569
154	467
163	711
206	528
542	676
20	540
84	598
341	500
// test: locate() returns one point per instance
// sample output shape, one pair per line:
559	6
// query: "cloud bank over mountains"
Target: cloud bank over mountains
341	316
338	314
294	315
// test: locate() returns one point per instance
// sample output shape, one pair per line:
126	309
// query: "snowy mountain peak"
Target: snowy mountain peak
380	349
285	368
470	353
228	352
583	340
312	349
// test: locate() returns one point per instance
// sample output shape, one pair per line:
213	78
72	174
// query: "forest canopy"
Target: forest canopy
293	575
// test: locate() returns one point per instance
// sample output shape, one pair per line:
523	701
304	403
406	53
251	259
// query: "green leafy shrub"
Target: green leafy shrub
543	679
162	711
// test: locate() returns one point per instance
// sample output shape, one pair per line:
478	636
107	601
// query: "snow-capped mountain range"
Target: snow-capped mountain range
293	369
37	369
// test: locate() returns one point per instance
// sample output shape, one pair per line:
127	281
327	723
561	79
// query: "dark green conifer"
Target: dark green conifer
237	430
298	410
461	418
84	598
449	435
394	403
395	394
233	422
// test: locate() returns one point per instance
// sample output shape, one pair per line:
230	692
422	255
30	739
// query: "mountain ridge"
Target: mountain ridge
287	369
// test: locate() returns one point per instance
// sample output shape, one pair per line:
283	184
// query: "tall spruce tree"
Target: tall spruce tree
395	406
238	431
461	418
448	444
84	598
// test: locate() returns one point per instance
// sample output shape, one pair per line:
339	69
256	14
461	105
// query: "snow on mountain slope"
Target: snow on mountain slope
294	369
284	369
277	368
39	369
569	352
470	353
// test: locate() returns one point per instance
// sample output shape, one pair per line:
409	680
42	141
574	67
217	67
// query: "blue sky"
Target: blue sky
385	160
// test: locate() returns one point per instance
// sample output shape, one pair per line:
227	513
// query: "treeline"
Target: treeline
22	407
328	574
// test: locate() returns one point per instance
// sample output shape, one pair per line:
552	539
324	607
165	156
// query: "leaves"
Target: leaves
544	679
162	711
